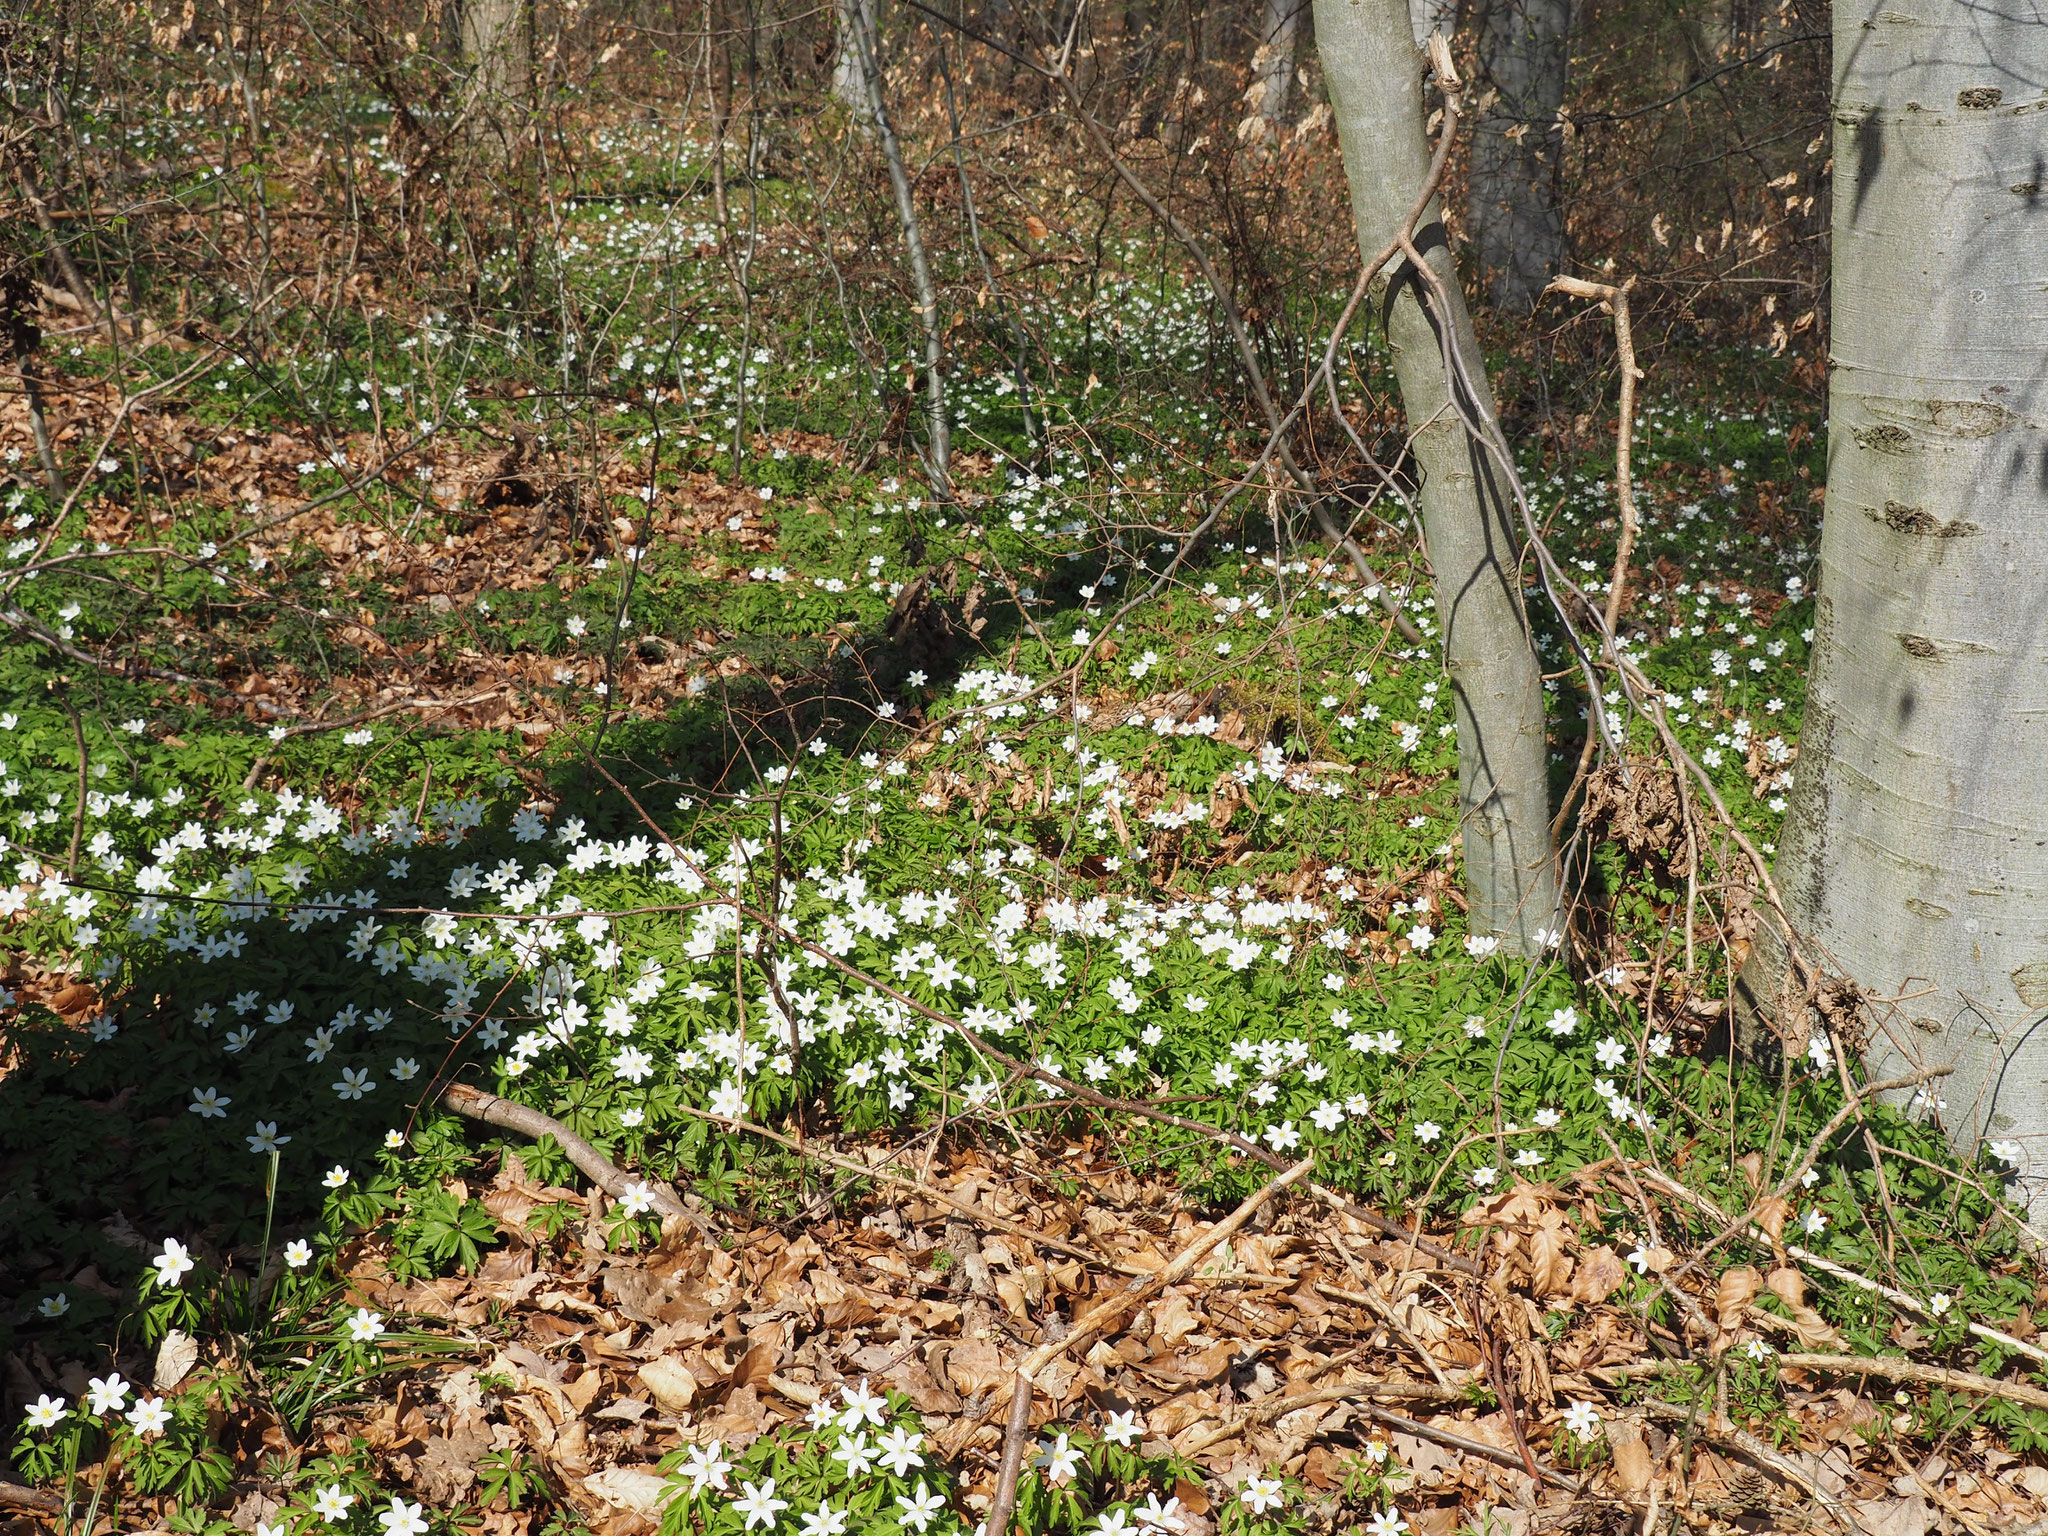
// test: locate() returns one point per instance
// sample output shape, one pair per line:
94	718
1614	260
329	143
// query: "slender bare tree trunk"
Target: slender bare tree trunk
938	454
1915	851
1273	70
1375	74
1516	223
497	47
854	19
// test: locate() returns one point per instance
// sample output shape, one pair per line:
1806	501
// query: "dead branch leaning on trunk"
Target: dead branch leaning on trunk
1614	299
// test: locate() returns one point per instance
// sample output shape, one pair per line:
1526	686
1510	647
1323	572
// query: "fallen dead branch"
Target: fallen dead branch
1754	1450
1104	1315
1888	1368
475	1104
1897	1298
1339	1392
37	1500
1457	1442
972	1212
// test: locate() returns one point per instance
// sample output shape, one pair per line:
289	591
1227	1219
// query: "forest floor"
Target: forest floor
583	953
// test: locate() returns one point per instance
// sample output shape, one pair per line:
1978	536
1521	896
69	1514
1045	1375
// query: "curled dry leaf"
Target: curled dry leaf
1600	1272
1771	1213
670	1382
1737	1289
1549	1269
627	1488
1815	1332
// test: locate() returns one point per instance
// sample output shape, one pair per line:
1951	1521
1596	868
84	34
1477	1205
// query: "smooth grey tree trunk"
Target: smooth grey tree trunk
1273	66
1915	849
1375	77
938	454
1517	226
855	20
497	47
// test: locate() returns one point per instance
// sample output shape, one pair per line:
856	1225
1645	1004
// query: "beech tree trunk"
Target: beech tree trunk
1369	57
1516	223
1915	848
1273	67
854	20
497	46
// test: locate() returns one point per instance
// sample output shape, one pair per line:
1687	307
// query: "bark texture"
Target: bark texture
938	453
1915	849
1273	67
497	46
1516	223
1375	75
854	20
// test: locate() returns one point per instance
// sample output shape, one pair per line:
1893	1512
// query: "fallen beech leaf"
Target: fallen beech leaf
1815	1332
756	1365
671	1382
175	1358
1737	1289
1788	1285
1770	1213
1548	1266
1633	1467
624	1488
1599	1273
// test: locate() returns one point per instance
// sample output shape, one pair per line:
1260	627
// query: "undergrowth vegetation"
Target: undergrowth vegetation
604	713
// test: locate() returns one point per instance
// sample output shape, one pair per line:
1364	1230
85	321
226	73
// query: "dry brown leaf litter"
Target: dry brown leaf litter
1296	1346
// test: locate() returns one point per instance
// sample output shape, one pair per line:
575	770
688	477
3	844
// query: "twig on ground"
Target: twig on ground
1343	1391
475	1104
1933	1491
1752	1449
1889	1368
1457	1442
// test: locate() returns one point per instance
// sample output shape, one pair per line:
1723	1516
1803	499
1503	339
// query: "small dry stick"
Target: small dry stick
1338	1392
1015	1433
1615	299
1888	1368
475	1104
